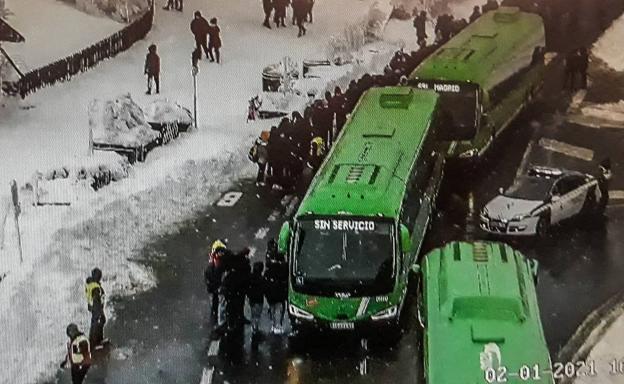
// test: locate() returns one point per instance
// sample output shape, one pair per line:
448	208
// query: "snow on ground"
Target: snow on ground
608	111
50	28
609	46
109	228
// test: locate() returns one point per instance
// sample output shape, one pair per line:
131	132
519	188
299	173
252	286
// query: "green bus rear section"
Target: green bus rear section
481	54
365	173
477	295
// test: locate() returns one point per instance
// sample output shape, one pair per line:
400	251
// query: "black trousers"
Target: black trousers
214	304
217	54
156	79
202	44
96	332
78	373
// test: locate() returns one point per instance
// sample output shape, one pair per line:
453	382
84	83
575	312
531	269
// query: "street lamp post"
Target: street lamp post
195	71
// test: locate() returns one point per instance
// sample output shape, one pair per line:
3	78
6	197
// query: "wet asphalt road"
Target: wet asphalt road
163	336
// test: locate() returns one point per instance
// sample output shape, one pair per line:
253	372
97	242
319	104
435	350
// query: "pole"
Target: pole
16	211
195	96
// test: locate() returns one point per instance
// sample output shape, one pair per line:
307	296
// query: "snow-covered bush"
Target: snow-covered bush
163	111
120	122
121	10
358	34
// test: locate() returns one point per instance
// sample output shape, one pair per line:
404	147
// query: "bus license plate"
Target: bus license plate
342	325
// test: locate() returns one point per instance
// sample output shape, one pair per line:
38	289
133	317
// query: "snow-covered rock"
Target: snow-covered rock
120	122
163	111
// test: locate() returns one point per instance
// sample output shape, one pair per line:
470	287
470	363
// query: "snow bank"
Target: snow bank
609	46
164	111
120	122
119	10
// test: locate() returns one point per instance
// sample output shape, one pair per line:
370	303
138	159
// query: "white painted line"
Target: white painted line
616	195
291	207
577	99
364	367
567	149
229	199
363	306
214	348
273	216
261	233
207	375
525	159
286	199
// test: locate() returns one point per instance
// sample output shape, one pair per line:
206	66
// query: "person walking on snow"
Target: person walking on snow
279	17
213	276
152	69
214	44
78	354
300	12
95	304
199	28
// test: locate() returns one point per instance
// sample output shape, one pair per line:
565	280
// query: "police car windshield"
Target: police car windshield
530	188
338	255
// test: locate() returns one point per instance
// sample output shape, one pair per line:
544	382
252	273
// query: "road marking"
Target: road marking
207	375
214	348
525	159
273	216
616	195
229	199
291	207
364	361
261	233
594	122
363	306
577	99
567	149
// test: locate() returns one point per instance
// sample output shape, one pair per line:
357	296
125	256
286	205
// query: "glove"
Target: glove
63	364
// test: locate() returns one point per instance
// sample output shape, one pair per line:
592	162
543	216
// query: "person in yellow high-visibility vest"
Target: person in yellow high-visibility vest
317	153
78	354
95	304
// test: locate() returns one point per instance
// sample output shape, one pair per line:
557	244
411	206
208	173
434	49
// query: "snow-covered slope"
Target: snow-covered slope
609	47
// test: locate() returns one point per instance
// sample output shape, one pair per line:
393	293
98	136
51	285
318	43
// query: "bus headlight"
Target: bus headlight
387	313
470	153
299	313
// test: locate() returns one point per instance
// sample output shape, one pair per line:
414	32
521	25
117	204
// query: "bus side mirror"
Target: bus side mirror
406	239
534	266
284	238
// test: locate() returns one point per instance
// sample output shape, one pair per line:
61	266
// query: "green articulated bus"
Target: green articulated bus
480	314
356	234
485	75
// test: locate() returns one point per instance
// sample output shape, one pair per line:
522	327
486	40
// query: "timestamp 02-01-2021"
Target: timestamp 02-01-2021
558	370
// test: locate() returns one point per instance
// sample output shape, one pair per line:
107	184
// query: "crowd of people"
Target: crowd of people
231	281
301	13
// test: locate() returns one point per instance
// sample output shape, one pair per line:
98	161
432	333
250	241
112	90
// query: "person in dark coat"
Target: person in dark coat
267	6
420	23
199	28
491	5
255	296
279	17
214	33
236	275
337	106
277	150
321	120
276	283
299	15
351	96
583	65
95	305
179	5
572	61
476	13
152	69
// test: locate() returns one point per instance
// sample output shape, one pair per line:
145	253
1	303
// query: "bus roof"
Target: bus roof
480	300
485	51
366	171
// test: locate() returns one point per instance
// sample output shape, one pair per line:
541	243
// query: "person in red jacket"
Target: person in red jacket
152	69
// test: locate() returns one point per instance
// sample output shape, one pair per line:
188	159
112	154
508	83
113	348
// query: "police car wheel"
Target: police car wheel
542	226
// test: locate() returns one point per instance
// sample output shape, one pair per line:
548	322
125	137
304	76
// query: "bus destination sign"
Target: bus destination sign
344	225
439	87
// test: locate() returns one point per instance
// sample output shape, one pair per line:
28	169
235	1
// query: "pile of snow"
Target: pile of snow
120	122
119	10
609	47
163	111
283	102
608	111
357	35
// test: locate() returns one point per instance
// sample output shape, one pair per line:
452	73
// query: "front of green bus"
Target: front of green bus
345	272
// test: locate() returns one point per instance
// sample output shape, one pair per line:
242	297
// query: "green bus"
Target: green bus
485	75
357	231
480	314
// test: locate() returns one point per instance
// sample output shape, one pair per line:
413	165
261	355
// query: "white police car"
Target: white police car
543	197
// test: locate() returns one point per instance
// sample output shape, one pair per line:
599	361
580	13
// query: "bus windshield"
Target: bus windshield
344	255
458	116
